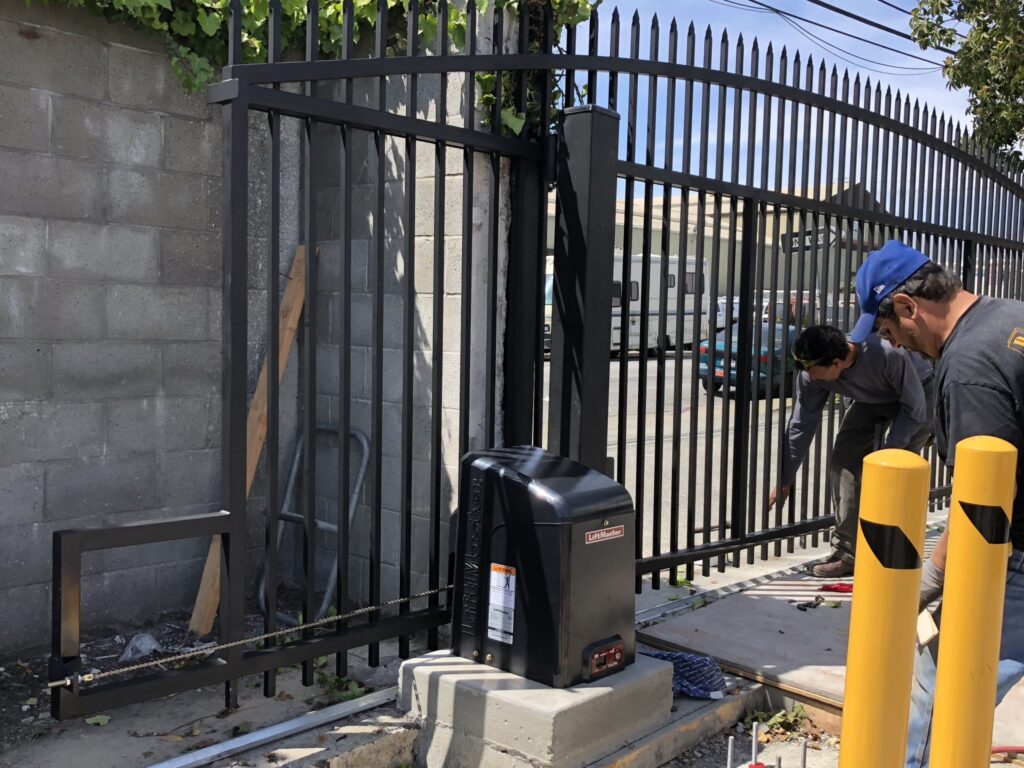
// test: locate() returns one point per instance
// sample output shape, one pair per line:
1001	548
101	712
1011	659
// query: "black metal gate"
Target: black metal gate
783	179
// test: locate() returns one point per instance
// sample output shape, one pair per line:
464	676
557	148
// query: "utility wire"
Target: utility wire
904	10
844	33
871	23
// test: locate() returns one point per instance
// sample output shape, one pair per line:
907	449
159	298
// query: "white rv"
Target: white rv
695	302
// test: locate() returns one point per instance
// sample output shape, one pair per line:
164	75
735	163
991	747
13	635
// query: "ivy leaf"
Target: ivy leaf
486	81
457	32
513	120
100	720
209	21
183	24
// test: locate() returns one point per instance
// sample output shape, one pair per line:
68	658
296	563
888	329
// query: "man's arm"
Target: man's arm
803	424
913	410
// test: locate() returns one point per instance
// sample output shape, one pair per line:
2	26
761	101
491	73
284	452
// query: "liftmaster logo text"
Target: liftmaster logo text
604	534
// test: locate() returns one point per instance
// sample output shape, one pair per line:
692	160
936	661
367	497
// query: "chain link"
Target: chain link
90	677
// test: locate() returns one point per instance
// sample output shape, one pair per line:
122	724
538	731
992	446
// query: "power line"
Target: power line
956	32
871	23
844	33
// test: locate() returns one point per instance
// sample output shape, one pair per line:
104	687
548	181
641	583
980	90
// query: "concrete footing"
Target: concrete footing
474	715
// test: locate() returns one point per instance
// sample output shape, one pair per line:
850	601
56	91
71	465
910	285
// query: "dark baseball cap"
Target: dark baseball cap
880	274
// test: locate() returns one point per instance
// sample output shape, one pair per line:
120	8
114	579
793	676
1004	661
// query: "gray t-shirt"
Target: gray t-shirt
980	386
881	374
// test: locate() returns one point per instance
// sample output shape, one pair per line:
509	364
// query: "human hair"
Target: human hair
820	345
931	282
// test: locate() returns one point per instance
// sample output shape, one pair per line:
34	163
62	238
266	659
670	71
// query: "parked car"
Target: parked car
773	352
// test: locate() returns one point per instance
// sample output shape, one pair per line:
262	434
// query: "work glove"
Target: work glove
931	584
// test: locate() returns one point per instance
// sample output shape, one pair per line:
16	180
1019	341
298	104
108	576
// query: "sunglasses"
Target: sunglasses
805	364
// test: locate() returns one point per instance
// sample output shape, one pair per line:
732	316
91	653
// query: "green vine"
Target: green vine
196	35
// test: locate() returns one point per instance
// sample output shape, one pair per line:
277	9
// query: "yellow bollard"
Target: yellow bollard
972	603
887	575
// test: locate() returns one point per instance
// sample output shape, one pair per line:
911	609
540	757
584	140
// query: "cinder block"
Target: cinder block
190	258
189	477
106	133
37	431
100	370
159	424
84	251
31	605
22	245
99	485
129	597
24	371
145	80
503	719
144	312
163	199
24	116
44	309
21	494
51	60
191	369
23	551
192	146
47	186
80	22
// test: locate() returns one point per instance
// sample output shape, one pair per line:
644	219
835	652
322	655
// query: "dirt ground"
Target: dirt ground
142	734
822	750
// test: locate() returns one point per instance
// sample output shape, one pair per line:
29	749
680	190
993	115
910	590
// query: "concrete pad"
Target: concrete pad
476	715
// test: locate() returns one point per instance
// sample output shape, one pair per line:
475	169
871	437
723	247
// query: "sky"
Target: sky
928	86
922	81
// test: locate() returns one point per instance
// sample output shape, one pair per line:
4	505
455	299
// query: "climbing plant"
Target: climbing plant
196	32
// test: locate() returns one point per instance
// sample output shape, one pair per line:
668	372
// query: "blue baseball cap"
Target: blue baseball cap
880	274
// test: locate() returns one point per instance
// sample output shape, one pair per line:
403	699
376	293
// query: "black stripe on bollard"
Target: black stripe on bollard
891	546
992	522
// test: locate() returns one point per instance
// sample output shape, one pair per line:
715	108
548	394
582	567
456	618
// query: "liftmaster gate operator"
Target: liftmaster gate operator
544	567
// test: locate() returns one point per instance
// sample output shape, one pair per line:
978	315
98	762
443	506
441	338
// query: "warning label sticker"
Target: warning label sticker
502	607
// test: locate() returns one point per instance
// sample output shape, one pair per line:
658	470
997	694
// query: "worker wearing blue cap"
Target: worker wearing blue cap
978	345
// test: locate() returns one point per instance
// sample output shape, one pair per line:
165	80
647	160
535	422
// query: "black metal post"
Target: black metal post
582	297
525	267
745	367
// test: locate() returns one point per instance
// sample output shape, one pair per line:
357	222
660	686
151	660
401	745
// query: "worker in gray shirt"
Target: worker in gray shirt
889	387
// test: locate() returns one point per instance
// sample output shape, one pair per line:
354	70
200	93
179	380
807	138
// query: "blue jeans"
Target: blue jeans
1011	666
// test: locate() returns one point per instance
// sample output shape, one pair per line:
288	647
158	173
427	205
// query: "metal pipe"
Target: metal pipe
280	731
729	751
879	666
972	605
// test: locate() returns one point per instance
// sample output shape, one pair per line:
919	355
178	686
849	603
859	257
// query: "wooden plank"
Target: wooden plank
208	597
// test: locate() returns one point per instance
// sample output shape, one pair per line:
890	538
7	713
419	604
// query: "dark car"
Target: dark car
773	352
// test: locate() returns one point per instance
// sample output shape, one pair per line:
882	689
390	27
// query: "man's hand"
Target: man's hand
779	494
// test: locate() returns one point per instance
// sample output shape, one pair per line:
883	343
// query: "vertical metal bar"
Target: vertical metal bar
640	495
408	328
769	62
613	52
570	74
65	625
377	345
234	351
468	160
757	238
659	396
626	276
342	598
699	288
592	31
270	570
546	79
309	457
716	237
437	334
490	354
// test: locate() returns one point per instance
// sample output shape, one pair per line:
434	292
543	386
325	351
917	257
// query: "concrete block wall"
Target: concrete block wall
109	313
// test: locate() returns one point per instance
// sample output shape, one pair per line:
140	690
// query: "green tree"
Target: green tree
988	60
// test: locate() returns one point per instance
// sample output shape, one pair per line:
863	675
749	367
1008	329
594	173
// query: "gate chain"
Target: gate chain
90	677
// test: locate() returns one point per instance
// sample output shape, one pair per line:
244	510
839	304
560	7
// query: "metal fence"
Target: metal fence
774	177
